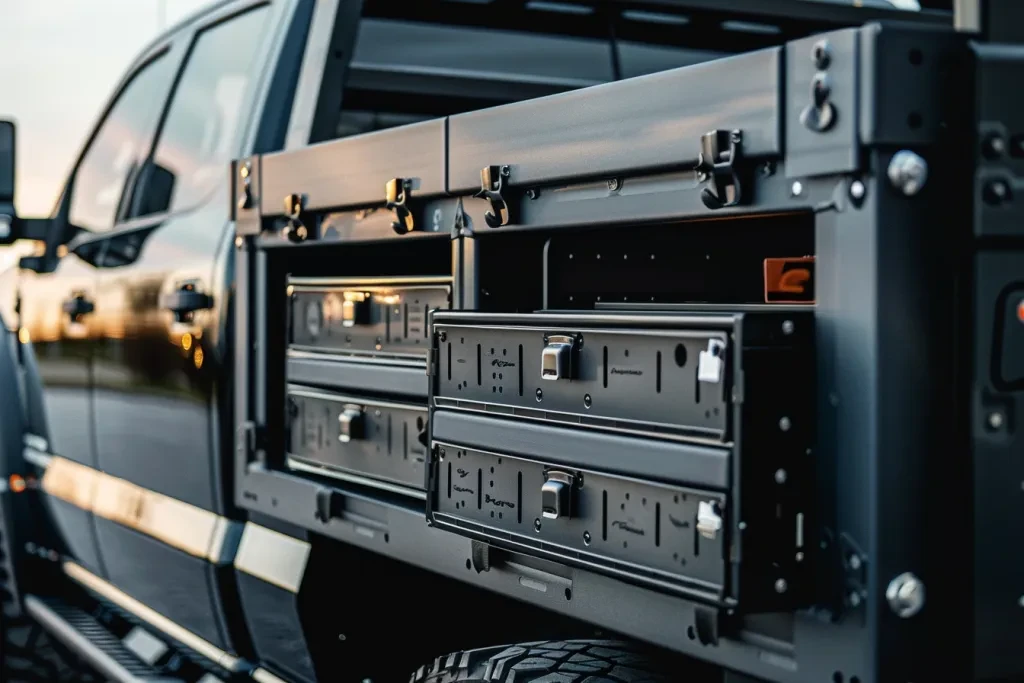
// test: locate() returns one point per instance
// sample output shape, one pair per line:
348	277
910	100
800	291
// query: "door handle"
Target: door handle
185	301
76	307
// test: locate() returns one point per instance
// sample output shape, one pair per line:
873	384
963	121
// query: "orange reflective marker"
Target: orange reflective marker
17	483
789	280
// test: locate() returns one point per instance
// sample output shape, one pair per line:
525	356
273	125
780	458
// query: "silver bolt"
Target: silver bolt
821	54
797	188
854	599
781	586
780	476
854	562
905	595
785	424
788	327
857	189
995	420
800	557
907	172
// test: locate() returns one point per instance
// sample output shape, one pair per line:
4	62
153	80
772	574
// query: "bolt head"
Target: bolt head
853	599
854	562
788	327
994	146
821	54
613	184
907	172
996	192
797	188
540	396
239	242
781	586
780	476
536	524
857	190
905	595
586	538
996	420
785	424
244	171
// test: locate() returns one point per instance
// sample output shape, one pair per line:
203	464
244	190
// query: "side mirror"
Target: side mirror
7	214
13	228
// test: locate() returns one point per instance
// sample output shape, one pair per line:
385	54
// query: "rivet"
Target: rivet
797	188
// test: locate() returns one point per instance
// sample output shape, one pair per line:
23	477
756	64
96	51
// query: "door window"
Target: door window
200	134
119	146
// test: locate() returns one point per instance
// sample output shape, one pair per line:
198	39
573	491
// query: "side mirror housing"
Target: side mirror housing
12	227
7	214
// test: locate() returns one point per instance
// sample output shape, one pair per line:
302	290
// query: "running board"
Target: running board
88	639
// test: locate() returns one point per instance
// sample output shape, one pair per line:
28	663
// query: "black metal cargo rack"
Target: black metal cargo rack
879	164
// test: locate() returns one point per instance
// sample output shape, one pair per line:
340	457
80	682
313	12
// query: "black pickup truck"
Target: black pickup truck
631	340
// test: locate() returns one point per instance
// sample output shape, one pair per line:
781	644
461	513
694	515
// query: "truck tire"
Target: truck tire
570	661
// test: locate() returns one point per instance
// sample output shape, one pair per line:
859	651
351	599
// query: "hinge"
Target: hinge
396	194
719	165
295	230
493	181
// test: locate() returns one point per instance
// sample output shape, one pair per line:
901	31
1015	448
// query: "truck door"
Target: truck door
59	325
163	287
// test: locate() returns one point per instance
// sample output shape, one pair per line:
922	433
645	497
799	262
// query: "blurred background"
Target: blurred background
61	61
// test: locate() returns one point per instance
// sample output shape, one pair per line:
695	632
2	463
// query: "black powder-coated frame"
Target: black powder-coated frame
917	440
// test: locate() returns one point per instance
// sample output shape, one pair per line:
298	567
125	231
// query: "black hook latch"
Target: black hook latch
718	164
492	187
295	230
397	192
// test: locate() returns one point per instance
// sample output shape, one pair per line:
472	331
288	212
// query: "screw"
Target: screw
854	562
586	538
857	190
854	599
800	557
907	172
613	184
536	524
532	193
780	476
905	595
443	336
787	327
540	396
239	241
785	424
996	192
781	586
993	146
505	171
996	420
821	54
797	188
587	401
244	171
